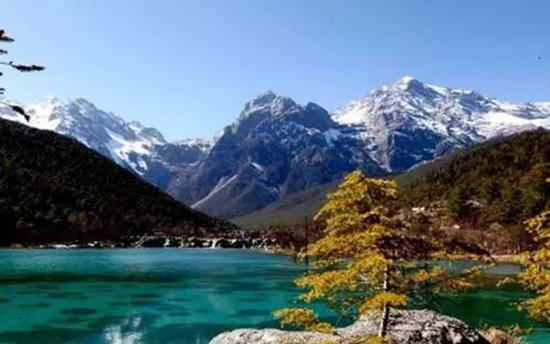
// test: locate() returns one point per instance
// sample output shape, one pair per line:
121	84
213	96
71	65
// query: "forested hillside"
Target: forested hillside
503	181
53	188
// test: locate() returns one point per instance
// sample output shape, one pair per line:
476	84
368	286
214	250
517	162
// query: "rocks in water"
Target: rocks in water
230	239
404	327
154	242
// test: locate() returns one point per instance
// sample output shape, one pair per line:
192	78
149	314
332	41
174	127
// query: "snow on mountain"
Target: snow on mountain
409	122
130	144
203	144
275	147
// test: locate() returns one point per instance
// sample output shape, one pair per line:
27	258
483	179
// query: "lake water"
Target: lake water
174	296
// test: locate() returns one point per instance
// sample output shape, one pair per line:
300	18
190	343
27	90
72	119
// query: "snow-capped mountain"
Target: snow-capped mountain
410	122
274	148
277	147
141	149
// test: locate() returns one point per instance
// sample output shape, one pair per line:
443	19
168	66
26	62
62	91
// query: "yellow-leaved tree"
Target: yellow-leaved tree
370	258
536	276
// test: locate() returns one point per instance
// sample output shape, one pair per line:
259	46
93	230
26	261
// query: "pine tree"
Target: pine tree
536	276
370	257
5	38
458	202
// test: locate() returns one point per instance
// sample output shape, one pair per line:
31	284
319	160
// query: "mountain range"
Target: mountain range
277	147
142	150
493	185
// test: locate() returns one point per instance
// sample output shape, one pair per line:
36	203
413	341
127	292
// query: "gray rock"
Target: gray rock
272	336
405	327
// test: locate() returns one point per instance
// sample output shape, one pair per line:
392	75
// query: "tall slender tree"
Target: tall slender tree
5	38
370	258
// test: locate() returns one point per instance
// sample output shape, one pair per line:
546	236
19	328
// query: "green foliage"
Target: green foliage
55	189
457	203
500	181
504	178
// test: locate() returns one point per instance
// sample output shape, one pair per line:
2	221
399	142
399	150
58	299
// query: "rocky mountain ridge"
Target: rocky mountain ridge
277	147
140	149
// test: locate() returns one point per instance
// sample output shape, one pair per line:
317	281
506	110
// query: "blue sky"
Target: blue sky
187	67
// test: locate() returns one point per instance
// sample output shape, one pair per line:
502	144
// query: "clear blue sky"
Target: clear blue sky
187	67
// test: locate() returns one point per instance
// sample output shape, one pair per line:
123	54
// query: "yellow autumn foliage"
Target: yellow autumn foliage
368	257
536	276
303	317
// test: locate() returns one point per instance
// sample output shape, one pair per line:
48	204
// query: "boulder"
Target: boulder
273	336
404	327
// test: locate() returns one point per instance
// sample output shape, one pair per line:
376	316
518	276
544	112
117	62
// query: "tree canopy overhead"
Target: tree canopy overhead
25	68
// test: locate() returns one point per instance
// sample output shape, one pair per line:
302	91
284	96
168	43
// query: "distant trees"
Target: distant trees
370	257
536	276
5	38
457	203
493	186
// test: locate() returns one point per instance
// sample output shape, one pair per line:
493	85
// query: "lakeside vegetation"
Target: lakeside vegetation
488	190
370	257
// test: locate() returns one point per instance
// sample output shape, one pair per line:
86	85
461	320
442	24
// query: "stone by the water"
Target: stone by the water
404	327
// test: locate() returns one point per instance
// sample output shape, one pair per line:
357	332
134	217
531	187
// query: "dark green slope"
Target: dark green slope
502	180
53	188
506	176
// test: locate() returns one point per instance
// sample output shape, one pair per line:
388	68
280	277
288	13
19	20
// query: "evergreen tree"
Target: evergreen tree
370	257
458	202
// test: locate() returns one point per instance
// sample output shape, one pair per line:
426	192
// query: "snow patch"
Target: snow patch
222	184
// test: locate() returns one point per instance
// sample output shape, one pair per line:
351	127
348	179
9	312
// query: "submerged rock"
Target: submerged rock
404	327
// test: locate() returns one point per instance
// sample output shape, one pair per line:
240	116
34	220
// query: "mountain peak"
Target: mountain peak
271	102
405	80
51	99
407	83
264	98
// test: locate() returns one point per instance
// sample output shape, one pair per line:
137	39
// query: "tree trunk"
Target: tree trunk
386	310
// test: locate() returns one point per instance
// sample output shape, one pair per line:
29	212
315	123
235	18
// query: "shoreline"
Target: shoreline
273	250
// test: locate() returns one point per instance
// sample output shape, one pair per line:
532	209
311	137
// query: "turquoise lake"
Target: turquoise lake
177	295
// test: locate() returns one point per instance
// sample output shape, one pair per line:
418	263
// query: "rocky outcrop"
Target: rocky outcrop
405	327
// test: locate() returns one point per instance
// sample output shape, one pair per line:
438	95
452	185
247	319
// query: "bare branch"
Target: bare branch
4	37
19	109
24	68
